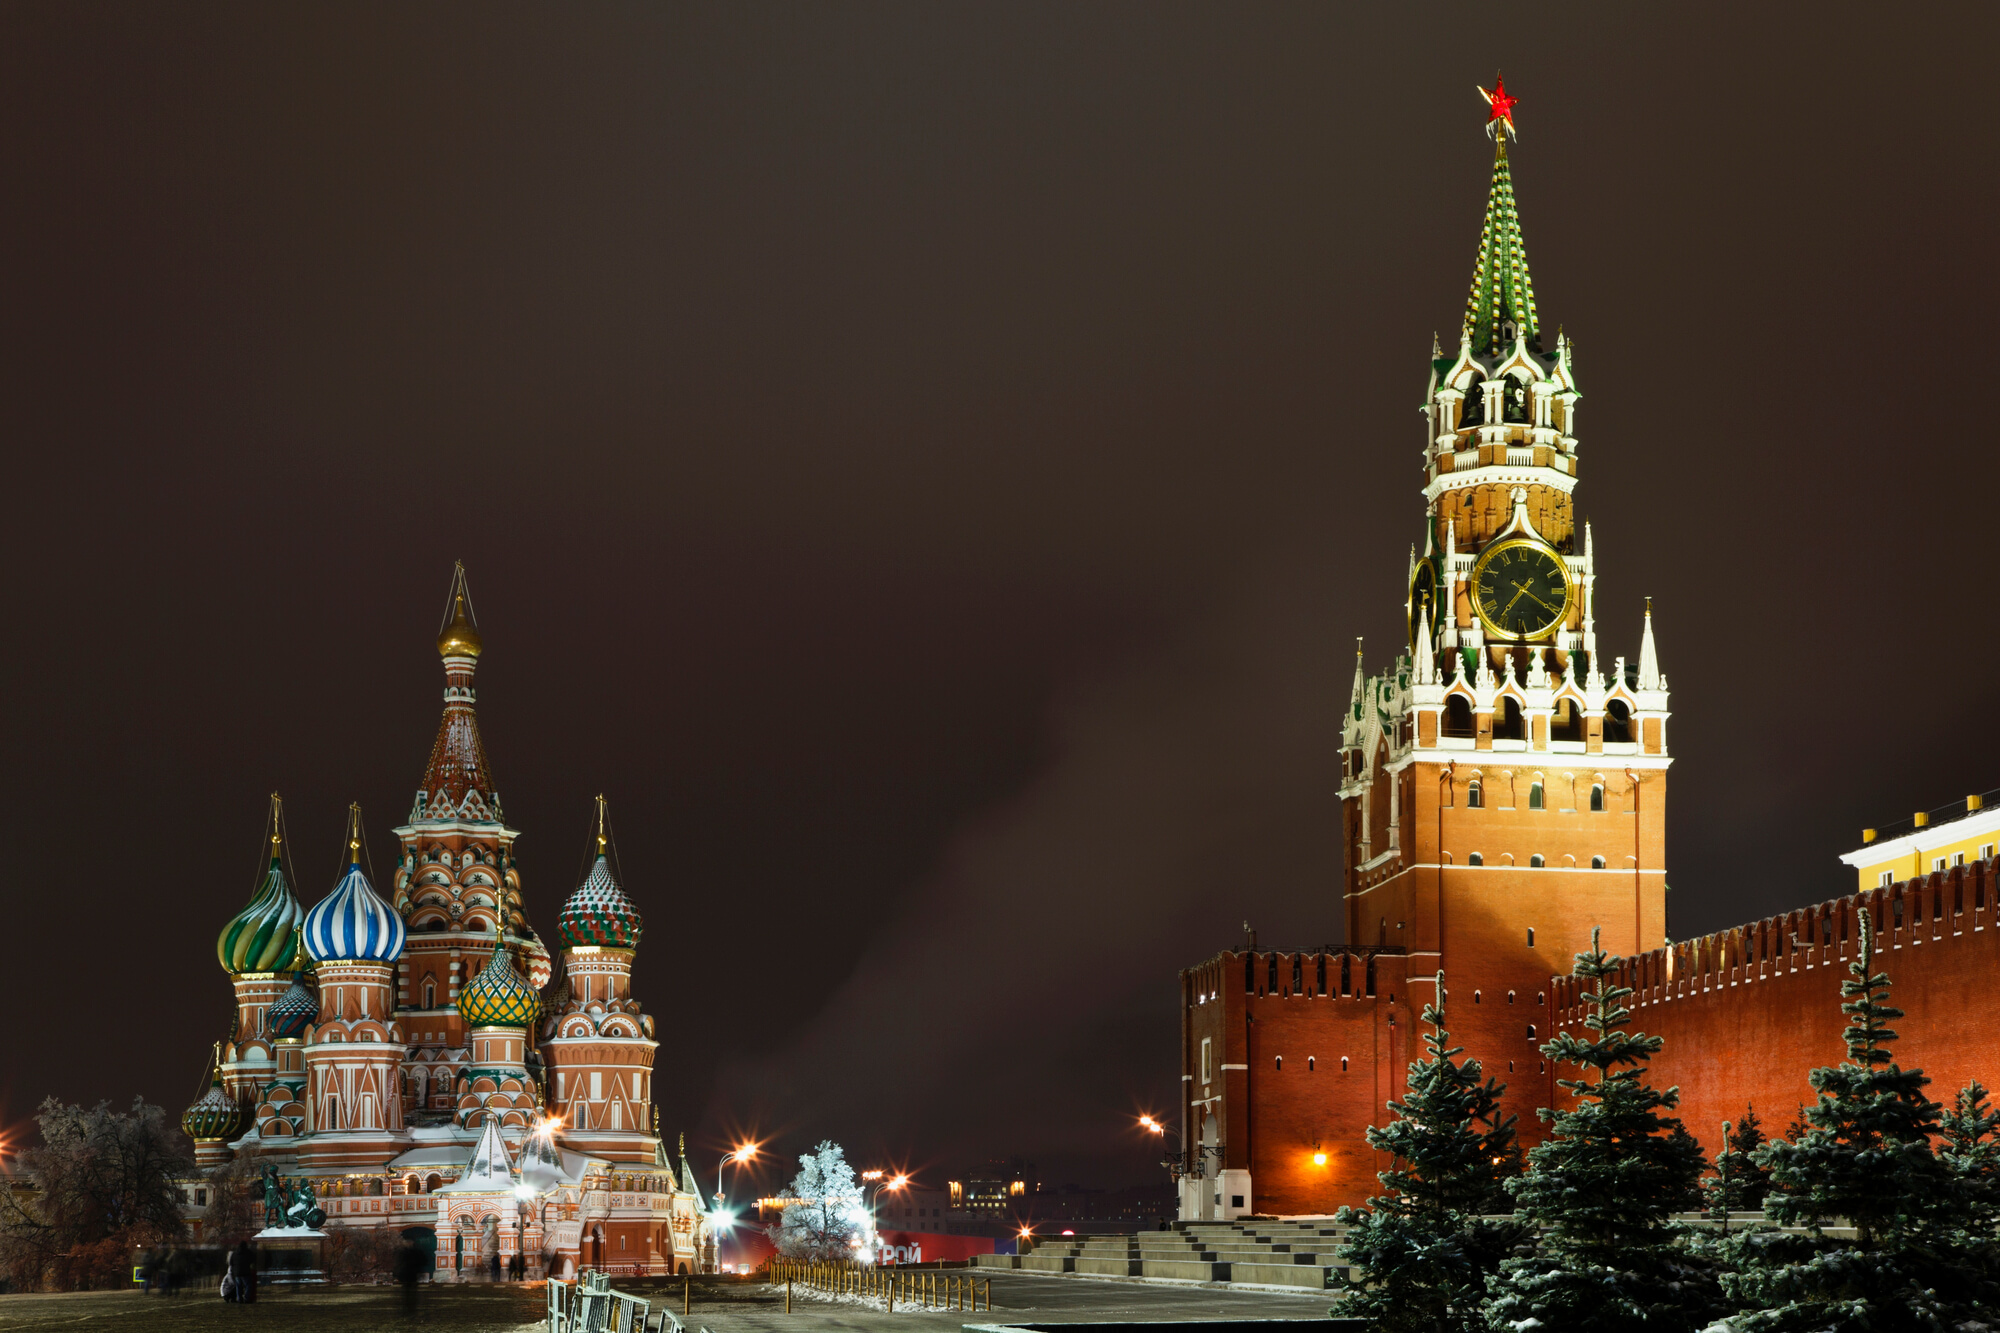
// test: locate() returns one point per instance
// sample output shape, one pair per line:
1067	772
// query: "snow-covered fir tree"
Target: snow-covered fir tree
1923	1254
1426	1247
1600	1189
823	1215
1739	1183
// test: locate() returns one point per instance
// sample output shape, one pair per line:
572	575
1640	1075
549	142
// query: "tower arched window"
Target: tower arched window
1617	722
1473	411
1298	973
430	993
1458	716
1597	863
1475	859
1472	795
1566	724
1535	861
1535	794
1531	1032
1272	979
1510	724
1597	800
1517	404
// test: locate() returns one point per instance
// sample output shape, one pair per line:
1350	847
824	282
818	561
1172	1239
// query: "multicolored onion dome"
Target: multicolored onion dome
264	936
293	1012
497	997
214	1115
599	913
535	958
353	924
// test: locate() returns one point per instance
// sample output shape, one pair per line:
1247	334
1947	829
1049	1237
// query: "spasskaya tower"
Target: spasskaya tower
1503	789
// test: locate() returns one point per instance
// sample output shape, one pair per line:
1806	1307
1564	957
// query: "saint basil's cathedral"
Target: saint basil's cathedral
423	1062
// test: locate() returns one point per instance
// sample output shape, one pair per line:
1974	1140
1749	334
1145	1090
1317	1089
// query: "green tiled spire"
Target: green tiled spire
1501	288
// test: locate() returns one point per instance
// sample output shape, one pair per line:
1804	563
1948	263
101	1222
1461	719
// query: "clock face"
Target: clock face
1423	593
1521	589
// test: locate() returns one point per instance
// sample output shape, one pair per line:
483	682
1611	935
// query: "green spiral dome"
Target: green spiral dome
214	1115
498	997
264	936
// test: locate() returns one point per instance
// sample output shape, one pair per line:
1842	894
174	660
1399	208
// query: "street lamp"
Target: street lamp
719	1217
744	1152
876	1179
1151	1126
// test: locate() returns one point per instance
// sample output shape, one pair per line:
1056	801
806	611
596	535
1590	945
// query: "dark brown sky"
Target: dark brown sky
927	465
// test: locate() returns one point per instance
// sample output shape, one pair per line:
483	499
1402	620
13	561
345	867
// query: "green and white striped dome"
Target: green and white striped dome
264	936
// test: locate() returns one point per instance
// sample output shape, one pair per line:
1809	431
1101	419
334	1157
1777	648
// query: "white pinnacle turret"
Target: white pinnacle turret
1649	655
1425	671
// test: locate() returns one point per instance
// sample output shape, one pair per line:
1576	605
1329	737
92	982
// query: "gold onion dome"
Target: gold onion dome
460	638
264	936
498	997
213	1115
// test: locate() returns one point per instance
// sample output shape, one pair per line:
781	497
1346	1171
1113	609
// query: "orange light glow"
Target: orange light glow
1319	1159
744	1152
871	1175
1151	1126
899	1182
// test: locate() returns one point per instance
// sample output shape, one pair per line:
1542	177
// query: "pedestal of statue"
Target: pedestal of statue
291	1256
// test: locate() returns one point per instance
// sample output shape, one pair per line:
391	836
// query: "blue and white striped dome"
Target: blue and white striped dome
353	923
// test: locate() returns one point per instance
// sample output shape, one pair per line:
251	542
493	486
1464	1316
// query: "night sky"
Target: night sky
927	466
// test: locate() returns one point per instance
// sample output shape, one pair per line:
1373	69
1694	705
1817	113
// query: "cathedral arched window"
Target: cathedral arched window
1597	801
1535	794
1472	795
430	993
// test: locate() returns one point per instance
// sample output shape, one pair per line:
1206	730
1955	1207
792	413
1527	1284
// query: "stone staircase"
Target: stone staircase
1263	1254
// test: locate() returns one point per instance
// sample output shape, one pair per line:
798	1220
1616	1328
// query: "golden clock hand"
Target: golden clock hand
1536	600
1510	606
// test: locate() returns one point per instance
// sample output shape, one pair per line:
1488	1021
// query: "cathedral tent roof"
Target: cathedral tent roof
490	1171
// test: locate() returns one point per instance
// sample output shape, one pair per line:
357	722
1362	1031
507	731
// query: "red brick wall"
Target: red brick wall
1746	1016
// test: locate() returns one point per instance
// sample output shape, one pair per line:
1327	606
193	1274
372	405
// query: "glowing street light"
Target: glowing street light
1151	1126
875	1178
744	1152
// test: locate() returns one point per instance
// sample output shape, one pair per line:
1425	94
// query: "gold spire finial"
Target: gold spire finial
354	833
277	823
460	636
600	823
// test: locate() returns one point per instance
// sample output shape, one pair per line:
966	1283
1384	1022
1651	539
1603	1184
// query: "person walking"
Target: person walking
244	1261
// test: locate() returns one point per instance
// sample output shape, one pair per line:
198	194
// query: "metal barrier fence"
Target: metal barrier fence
928	1290
591	1305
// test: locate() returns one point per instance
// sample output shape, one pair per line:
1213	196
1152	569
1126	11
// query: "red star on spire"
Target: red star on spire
1503	106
